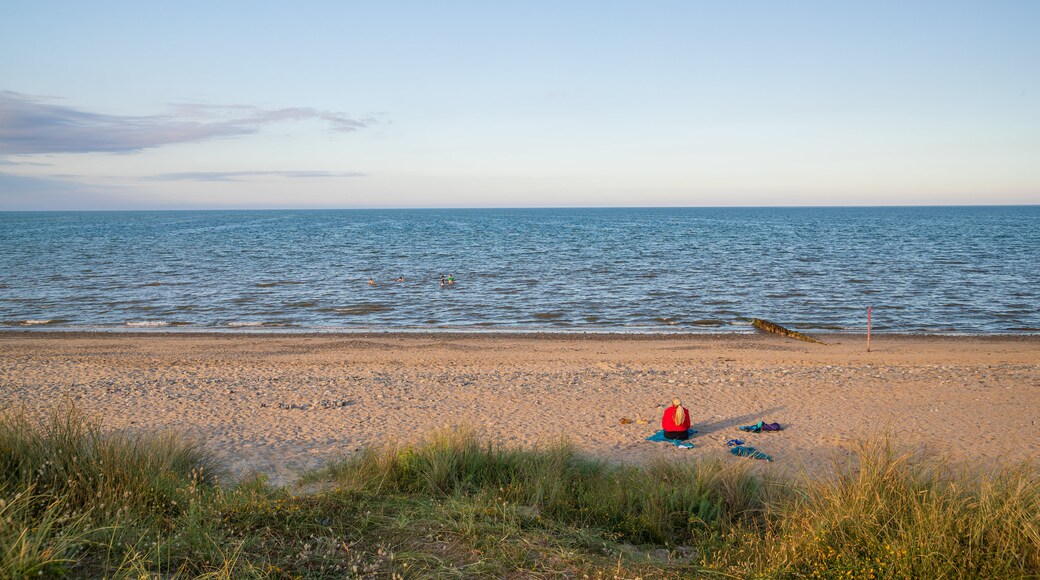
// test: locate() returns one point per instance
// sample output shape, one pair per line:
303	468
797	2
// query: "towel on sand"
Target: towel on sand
659	436
742	451
761	426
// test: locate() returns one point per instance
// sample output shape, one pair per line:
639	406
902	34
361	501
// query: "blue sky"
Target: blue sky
128	105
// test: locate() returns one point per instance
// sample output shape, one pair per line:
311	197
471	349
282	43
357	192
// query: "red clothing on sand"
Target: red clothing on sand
668	421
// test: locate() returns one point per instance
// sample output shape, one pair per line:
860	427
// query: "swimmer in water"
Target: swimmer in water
371	282
442	280
400	278
451	278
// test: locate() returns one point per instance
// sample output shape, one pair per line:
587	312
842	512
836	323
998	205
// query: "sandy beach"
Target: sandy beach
279	404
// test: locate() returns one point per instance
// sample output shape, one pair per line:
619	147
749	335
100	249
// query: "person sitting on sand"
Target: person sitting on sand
676	422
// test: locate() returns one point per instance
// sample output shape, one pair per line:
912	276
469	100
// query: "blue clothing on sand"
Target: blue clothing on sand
761	426
751	452
659	436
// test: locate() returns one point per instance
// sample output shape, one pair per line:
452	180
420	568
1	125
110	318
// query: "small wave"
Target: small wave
828	327
666	320
277	283
147	323
240	324
708	322
40	321
362	309
304	304
548	315
149	284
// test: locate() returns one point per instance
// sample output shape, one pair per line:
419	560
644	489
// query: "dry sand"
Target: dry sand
975	399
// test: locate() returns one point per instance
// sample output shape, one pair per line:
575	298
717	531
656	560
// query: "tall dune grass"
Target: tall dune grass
72	458
664	503
77	500
68	488
893	513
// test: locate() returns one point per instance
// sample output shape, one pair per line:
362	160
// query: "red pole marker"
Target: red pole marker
868	328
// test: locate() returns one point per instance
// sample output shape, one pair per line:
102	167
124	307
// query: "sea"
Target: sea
920	270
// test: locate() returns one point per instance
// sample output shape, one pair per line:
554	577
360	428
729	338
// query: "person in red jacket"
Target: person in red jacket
676	422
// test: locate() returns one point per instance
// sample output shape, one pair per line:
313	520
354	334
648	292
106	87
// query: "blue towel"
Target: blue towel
734	442
659	436
751	452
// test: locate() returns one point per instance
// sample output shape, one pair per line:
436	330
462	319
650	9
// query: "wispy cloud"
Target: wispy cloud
12	163
19	192
32	125
246	175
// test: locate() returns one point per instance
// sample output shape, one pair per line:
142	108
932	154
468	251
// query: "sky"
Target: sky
218	105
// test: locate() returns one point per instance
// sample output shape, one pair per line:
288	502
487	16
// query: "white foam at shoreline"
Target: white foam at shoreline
147	323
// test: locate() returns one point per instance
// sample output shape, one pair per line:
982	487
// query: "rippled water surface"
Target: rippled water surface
934	269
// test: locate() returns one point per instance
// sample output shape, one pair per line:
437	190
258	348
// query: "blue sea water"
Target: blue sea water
972	270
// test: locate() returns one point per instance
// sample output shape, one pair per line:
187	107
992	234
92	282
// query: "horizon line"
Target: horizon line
561	207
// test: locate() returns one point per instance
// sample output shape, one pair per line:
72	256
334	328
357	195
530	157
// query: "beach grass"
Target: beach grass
78	500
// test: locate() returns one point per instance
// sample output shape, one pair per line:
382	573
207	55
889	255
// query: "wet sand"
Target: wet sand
279	404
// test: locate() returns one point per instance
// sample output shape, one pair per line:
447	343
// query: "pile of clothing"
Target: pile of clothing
761	426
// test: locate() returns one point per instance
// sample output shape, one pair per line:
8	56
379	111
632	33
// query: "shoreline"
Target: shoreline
281	403
251	332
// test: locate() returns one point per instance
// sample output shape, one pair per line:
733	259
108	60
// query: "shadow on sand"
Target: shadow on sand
705	428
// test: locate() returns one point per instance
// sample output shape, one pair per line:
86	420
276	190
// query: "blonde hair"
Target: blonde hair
680	413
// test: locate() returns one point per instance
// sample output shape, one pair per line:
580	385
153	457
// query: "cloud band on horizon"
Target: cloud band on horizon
31	125
243	175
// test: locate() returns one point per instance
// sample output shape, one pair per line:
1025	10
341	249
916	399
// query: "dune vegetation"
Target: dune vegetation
78	500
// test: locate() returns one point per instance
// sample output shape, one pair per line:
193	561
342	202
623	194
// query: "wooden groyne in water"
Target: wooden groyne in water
777	329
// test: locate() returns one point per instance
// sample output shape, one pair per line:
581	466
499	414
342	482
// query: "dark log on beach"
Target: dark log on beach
777	329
